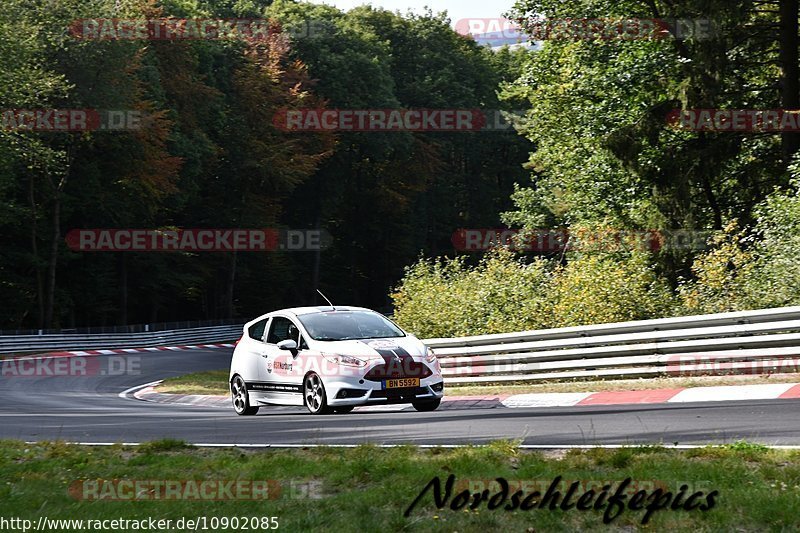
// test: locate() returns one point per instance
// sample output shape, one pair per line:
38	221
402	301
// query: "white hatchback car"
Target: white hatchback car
331	359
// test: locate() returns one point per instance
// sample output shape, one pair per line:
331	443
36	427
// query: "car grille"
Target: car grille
398	393
398	367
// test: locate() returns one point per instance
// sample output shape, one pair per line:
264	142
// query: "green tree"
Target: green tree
399	192
599	119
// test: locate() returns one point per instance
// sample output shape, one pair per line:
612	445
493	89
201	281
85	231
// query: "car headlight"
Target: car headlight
430	357
345	360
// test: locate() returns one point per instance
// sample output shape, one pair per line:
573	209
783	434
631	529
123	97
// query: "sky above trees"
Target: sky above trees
456	9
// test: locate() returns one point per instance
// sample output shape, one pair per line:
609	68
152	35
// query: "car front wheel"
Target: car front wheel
240	398
426	406
314	395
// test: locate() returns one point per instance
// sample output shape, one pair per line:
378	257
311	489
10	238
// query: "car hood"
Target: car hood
375	348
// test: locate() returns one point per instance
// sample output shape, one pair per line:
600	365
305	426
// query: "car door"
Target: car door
280	368
249	350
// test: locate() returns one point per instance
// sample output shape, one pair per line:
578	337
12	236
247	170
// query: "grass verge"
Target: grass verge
211	382
216	382
369	488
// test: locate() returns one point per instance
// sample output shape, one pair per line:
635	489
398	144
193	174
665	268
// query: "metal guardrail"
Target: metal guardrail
759	342
10	344
130	328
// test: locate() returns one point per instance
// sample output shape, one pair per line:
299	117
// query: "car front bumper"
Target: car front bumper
363	392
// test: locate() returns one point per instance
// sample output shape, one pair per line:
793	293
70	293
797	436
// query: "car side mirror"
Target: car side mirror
288	345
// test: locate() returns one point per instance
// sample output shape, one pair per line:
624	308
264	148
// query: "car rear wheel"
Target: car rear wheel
426	406
241	399
314	395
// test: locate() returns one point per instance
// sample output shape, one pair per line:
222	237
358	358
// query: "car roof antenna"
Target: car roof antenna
326	299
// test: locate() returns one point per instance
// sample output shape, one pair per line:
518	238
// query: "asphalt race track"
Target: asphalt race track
89	409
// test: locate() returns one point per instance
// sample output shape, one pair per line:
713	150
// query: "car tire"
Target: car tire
343	410
427	406
240	398
314	395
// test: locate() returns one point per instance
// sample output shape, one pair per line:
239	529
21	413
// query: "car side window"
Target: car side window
281	329
256	331
302	344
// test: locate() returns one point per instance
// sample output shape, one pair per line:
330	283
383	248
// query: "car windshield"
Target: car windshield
349	325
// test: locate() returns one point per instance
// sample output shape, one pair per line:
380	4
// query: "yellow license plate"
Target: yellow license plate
404	383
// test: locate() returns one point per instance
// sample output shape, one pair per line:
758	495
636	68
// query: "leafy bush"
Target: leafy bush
448	298
754	268
441	298
751	269
720	274
775	280
596	289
